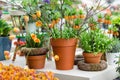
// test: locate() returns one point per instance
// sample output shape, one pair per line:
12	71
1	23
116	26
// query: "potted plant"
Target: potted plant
5	43
118	68
116	23
94	43
64	24
33	13
112	53
34	50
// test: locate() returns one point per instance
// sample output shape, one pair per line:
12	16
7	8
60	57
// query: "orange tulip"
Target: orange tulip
33	36
38	24
6	53
76	27
16	30
110	32
34	16
66	17
57	20
51	25
26	18
38	14
36	40
12	37
56	57
7	57
53	22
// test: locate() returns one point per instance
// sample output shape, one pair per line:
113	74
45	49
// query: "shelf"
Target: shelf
74	74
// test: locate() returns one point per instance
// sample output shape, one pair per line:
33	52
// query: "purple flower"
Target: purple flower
47	1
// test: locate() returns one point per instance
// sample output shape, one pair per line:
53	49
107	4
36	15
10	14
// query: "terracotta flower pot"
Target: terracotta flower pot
64	49
36	62
92	58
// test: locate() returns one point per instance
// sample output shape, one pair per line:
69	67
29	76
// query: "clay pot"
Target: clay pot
92	58
36	62
64	49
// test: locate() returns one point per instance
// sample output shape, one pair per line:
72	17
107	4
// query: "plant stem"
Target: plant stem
61	4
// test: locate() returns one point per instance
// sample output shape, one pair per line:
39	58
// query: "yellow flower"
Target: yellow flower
34	16
23	78
38	14
12	37
66	17
33	36
16	30
36	40
6	53
26	18
51	25
56	57
38	23
55	78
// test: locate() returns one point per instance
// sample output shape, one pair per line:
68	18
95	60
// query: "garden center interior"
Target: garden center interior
59	39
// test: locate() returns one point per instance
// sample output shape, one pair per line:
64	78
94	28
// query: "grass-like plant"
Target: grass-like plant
5	28
94	41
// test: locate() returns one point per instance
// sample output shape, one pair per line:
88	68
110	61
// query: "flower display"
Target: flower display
34	40
65	21
16	30
33	45
5	28
38	24
33	12
12	72
7	55
26	18
38	14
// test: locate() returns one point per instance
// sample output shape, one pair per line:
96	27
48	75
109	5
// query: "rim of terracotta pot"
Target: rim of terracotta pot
63	42
92	53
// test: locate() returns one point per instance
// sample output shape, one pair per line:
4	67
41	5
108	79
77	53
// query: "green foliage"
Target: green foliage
100	16
35	44
92	20
4	28
54	11
70	11
107	17
77	21
66	33
113	28
115	46
94	41
118	63
30	43
80	12
30	7
56	15
116	20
